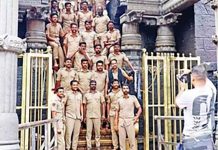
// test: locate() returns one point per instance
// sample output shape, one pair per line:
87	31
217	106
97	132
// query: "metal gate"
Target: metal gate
36	96
159	91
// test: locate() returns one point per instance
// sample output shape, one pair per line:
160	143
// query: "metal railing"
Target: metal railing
164	144
160	86
32	128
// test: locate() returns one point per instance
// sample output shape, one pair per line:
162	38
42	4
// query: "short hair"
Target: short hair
110	22
115	80
53	14
97	45
73	23
73	81
88	21
66	59
53	1
113	60
84	2
199	72
125	85
84	59
80	43
92	81
99	62
67	3
60	88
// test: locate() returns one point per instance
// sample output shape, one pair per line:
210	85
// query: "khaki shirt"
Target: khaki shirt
93	103
82	17
100	2
66	77
113	36
100	23
57	106
121	58
101	79
67	19
103	58
72	43
73	105
53	31
84	78
113	101
126	107
89	38
77	61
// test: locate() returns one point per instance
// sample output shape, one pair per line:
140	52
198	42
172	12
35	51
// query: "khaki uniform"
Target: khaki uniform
101	79
58	107
77	61
72	44
113	101
66	77
126	121
93	103
73	118
121	58
89	38
94	59
82	17
100	23
55	32
84	78
67	19
100	3
112	36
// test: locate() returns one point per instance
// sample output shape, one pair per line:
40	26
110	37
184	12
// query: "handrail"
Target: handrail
35	123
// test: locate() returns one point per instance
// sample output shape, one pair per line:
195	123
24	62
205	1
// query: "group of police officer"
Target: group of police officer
89	67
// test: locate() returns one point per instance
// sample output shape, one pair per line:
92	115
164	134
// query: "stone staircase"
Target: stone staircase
106	142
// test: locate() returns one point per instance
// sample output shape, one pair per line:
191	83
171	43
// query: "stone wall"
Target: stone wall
204	29
184	32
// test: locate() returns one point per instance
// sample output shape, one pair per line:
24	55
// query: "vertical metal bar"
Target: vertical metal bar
46	137
33	138
145	99
159	134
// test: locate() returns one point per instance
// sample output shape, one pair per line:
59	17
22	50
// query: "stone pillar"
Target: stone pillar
35	35
165	41
132	43
10	46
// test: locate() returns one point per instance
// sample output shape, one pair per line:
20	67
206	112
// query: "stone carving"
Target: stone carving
12	43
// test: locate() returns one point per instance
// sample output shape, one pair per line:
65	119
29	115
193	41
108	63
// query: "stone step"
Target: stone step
105	134
105	144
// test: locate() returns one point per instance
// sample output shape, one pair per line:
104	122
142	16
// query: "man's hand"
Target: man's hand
103	118
136	119
84	120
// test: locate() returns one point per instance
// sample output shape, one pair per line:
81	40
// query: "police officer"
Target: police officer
74	115
57	110
93	103
125	115
113	97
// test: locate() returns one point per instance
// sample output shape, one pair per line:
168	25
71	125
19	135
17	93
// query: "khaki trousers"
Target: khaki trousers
60	136
72	127
57	53
114	133
97	125
126	127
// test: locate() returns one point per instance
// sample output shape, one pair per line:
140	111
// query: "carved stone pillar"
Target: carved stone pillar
131	42
165	41
10	46
35	35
